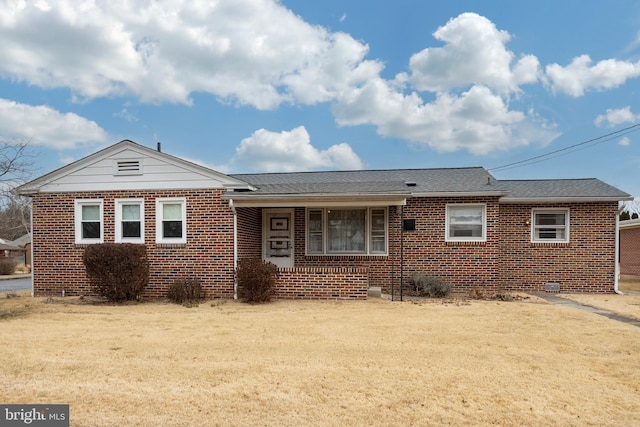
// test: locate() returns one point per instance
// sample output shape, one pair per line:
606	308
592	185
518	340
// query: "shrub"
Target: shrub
256	280
7	266
184	291
117	271
431	286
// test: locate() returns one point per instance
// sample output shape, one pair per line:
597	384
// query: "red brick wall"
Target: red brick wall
322	283
207	255
585	264
249	232
462	264
507	260
630	251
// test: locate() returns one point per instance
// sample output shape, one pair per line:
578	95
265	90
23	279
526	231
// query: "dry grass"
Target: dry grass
321	363
627	305
630	285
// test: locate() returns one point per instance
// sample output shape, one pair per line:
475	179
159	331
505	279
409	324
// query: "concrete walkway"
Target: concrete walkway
555	299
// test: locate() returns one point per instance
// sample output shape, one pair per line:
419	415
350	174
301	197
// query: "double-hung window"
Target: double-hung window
89	221
347	231
129	220
550	225
466	223
171	220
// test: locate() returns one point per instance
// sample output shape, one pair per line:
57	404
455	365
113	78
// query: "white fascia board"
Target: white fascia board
528	200
460	194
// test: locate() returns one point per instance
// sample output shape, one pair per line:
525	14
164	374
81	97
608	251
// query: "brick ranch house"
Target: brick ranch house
332	234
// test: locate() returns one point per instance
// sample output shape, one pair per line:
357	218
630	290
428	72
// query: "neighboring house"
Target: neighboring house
630	247
24	243
332	234
11	251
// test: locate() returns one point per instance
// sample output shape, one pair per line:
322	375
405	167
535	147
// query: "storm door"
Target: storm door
277	246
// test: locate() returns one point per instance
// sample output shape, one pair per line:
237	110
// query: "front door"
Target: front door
277	246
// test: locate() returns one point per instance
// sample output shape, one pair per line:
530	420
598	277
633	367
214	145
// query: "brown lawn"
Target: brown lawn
627	305
321	363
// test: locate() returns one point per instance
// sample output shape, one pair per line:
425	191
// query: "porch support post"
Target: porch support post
235	248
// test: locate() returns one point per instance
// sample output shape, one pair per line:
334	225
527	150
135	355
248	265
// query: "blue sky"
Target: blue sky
261	86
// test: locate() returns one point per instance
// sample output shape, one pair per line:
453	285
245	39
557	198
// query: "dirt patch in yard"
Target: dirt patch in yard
374	362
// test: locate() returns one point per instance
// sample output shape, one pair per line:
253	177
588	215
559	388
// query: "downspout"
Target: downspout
235	248
33	290
617	268
401	250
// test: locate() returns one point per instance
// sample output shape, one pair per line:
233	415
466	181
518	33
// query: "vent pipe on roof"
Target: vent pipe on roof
159	147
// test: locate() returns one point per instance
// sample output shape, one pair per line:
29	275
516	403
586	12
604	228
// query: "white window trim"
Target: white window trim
119	203
567	221
78	220
482	238
171	240
325	234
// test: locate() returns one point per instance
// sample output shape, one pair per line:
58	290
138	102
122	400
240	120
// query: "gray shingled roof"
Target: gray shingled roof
588	188
449	181
394	181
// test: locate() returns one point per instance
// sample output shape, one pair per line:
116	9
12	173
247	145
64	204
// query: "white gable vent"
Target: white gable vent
128	167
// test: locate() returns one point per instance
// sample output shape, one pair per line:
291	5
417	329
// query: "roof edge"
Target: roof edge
585	199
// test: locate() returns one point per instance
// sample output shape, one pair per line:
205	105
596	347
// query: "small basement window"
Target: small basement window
128	167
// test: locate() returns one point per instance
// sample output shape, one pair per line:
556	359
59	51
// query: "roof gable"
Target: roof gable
129	166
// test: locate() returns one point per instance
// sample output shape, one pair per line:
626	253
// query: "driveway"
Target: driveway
10	284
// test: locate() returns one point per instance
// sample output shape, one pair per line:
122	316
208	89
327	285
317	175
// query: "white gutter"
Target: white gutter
521	200
617	269
235	248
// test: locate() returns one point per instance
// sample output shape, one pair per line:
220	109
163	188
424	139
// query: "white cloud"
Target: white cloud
477	120
471	79
615	117
258	53
474	53
580	76
253	52
126	115
289	151
624	141
44	126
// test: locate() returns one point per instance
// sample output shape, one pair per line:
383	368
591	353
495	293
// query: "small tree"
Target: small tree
16	166
256	279
117	271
